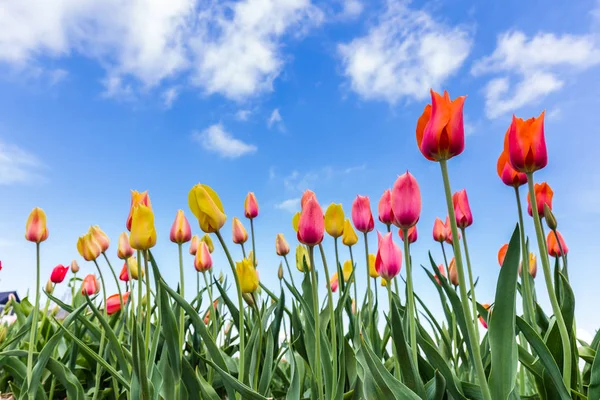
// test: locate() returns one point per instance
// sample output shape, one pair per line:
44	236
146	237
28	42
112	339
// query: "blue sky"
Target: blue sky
97	98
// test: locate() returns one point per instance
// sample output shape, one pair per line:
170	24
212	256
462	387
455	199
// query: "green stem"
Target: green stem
182	288
198	288
454	344
334	352
260	340
116	279
45	313
410	302
241	308
356	305
102	336
483	384
244	250
471	282
396	361
253	245
369	293
315	295
549	285
34	319
287	264
445	258
338	267
148	322
528	308
213	317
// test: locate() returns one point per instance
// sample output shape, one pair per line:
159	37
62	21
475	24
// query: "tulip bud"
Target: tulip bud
311	226
349	237
302	258
239	233
442	272
439	231
550	218
281	246
124	250
334	220
135	269
100	237
502	254
406	201
506	172
334	282
203	260
206	239
353	307
227	329
483	321
389	258
347	269
74	267
251	206
88	248
89	285
280	271
3	333
555	246
194	245
543	195
180	231
49	287
412	234
35	229
372	270
462	210
221	277
307	195
248	299
58	273
207	207
137	198
527	145
452	272
124	275
55	310
361	214
386	214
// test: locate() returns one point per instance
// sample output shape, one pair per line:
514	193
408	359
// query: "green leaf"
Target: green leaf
230	381
294	388
265	377
436	388
594	388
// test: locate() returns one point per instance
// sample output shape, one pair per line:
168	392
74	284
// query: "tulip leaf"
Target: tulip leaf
294	388
230	381
265	377
436	387
594	387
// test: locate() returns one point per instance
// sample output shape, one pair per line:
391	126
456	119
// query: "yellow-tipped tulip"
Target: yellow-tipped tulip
134	268
36	230
143	232
247	276
100	237
372	271
239	234
334	220
207	207
137	198
347	270
302	258
124	250
88	247
206	239
349	237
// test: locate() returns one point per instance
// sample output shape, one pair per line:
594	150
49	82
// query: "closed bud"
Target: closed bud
206	239
124	250
49	287
221	278
3	332
239	233
550	218
280	272
100	237
281	246
74	267
248	299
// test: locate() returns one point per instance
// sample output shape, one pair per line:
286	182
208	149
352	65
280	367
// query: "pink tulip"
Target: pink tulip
311	226
389	258
238	232
362	218
308	194
412	234
203	260
251	206
462	210
406	201
386	215
194	245
181	231
439	231
334	282
58	273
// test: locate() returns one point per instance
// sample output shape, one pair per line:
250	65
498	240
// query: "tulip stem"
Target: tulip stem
102	335
410	302
338	266
396	361
562	328
527	298
253	245
471	283
315	295
474	340
369	293
213	317
116	280
445	258
287	264
182	289
334	352
357	313
33	331
148	322
241	309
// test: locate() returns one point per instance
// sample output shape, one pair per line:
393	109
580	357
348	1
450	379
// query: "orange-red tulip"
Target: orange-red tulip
386	214
483	321
389	258
506	172
502	254
124	275
362	218
439	231
137	198
334	282
113	303
452	272
281	245
406	201
440	129
543	195
462	210
181	232
58	273
412	234
553	247
89	285
36	230
527	145
251	206
124	250
203	260
311	226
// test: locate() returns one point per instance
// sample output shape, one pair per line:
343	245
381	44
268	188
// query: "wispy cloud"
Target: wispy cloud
18	165
299	182
216	139
275	119
243	115
289	205
169	96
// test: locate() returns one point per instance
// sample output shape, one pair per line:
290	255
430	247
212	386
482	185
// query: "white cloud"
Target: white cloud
531	68
404	55
289	205
216	139
243	115
352	8
299	182
169	96
275	119
17	165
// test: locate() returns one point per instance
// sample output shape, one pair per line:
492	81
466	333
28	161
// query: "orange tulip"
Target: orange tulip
449	238
543	195
89	285
440	129
439	231
506	172
452	272
35	229
553	247
113	303
502	254
527	145
181	232
136	199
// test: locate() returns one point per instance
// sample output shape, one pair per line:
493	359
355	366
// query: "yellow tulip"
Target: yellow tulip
132	264
88	247
143	232
207	207
349	237
372	271
302	258
347	270
247	276
383	282
334	220
36	230
206	239
296	221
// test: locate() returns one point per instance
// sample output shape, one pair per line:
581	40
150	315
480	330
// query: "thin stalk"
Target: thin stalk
287	264
396	362
116	279
140	280
34	319
528	297
357	315
73	282
410	302
102	336
213	317
334	352
369	293
483	384
454	344
182	288
338	266
315	295
45	313
549	285
444	253
260	340
198	288
253	245
148	322
471	282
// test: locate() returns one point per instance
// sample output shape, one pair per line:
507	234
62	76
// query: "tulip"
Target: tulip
386	214
137	198
195	242
251	206
239	233
36	230
49	287
452	272
506	172
302	258
206	239
207	207
124	250
347	270
181	232
440	233
527	145
543	195
462	210
113	303
58	273
383	282
502	253
307	195
554	249
334	282
88	248
296	220
280	271
449	238
124	275
442	272
334	220
412	234
389	258
143	232
100	237
372	270
203	260
550	218
440	129
89	285
311	226
349	238
361	214
281	245
483	321
251	257
134	268
74	266
406	201
247	276
532	266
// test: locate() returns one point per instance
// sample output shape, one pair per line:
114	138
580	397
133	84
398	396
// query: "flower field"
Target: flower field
236	338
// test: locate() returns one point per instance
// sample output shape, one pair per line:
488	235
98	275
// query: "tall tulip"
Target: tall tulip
59	273
406	201
100	237
386	214
281	245
554	249
543	195
250	206
207	207
334	220
239	234
88	248
452	272
462	210
302	258
311	226
143	232
440	232
203	260
181	232
124	250
412	234
113	303
349	237
137	198
247	275
361	214
506	172
389	258
527	145
36	230
89	285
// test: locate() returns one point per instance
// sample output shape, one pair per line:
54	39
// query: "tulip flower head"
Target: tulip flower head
302	258
239	233
311	226
59	273
181	232
36	230
372	270
527	145
347	269
543	195
307	195
502	253
49	287
389	258
143	232
334	220
247	276
124	275
412	234
280	271
207	207
113	303
386	214
74	266
440	129
334	282
442	272
361	214
206	239
88	248
90	285
449	238
406	201
100	237
203	260
281	245
251	206
506	172
462	210
194	243
349	237
135	269
124	250
452	272
137	198
296	221
554	249
481	319
440	233
532	266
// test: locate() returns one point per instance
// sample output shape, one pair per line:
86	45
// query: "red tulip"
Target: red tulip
251	206
58	273
406	201
440	129
386	214
553	247
439	231
543	195
412	234
311	226
181	232
506	172
124	275
502	254
113	303
527	145
362	218
462	210
389	258
89	285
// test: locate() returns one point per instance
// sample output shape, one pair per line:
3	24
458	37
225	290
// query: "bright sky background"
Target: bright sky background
277	96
